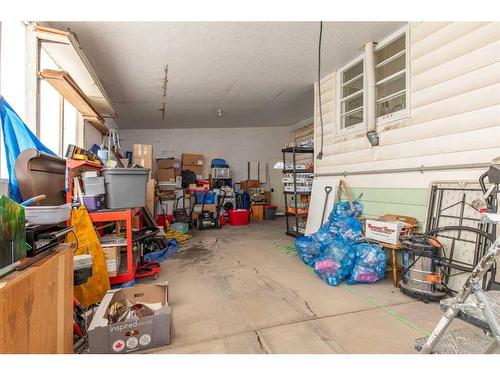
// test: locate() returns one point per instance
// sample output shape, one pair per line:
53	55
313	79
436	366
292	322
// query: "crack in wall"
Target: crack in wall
261	343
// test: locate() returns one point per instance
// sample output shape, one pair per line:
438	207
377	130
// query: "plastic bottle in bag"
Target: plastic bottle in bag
370	264
307	249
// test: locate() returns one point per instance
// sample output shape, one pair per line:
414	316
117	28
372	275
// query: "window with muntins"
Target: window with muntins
352	95
390	77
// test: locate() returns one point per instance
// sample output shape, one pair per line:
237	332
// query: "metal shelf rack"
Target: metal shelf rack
290	231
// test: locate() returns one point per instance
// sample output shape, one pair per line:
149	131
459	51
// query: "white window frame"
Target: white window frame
404	113
80	130
362	125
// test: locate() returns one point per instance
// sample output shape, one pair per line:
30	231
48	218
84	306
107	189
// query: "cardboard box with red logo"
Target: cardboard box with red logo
384	231
133	334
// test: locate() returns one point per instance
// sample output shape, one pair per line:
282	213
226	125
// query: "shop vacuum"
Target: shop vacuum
421	268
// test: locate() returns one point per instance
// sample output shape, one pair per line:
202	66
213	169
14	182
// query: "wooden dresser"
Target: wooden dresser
36	306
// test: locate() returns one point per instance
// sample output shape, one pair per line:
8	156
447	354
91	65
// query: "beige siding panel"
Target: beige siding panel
476	59
423	29
483	155
328	88
481	118
472	81
476	140
328	118
304	134
459	47
443	36
481	98
327	97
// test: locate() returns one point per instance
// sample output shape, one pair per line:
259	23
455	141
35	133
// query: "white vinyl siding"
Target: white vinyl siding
454	73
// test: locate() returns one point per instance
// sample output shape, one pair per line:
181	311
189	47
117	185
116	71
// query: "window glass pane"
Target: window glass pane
46	62
391	87
352	87
352	119
391	49
70	126
352	72
352	103
49	116
392	105
390	68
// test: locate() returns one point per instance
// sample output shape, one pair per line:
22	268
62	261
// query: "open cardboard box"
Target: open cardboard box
132	334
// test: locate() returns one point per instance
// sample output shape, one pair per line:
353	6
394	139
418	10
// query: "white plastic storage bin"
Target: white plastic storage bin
125	187
93	185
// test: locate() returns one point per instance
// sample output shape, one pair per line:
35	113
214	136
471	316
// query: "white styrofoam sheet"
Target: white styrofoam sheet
318	201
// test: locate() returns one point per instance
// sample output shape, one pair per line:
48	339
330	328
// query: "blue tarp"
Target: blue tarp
17	137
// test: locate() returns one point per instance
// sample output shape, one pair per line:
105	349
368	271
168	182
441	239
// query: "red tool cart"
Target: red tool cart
134	267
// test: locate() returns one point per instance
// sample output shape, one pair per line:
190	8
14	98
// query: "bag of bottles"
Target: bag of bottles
335	263
349	229
370	264
333	253
308	249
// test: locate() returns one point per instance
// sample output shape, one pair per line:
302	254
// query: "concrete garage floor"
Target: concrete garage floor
236	290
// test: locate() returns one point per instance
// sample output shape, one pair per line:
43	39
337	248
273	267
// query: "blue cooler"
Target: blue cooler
209	197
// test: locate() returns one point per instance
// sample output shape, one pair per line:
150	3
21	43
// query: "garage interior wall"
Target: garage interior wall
237	146
454	118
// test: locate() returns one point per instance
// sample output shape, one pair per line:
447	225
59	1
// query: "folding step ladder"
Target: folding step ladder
472	305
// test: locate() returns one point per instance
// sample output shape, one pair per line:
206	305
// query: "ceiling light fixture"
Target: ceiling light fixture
219	111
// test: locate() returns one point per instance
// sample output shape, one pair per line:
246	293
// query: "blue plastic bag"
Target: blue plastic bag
343	209
308	249
332	250
161	255
370	265
323	236
17	137
349	229
335	263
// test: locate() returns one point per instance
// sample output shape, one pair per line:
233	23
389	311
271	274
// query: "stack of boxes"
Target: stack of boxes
193	162
168	171
143	155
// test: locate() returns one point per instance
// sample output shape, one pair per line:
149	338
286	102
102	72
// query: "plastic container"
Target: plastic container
47	214
160	220
179	227
239	217
125	187
94	185
270	212
94	202
82	268
209	198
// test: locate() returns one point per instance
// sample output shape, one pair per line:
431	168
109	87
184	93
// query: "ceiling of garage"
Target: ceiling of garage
180	74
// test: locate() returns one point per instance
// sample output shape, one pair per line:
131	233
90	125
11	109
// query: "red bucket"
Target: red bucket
239	217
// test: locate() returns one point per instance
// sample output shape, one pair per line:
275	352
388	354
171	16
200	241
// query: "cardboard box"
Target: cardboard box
208	207
133	334
192	159
384	231
165	175
197	169
143	151
150	196
113	259
167	163
146	163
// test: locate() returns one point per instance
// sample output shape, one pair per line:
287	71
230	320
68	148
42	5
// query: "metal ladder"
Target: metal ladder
472	305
